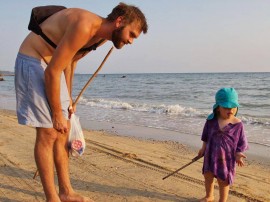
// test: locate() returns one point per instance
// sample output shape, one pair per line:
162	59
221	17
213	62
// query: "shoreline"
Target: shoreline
119	168
256	152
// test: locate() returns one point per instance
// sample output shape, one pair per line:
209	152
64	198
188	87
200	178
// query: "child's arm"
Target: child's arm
239	158
202	150
242	145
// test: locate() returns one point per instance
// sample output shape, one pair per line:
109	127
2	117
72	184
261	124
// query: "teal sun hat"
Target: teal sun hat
227	98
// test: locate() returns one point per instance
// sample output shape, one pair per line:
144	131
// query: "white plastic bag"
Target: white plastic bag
76	142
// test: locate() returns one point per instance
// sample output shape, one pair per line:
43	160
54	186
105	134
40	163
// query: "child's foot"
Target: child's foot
74	197
209	199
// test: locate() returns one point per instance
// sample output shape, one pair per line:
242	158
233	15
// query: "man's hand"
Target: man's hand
239	158
60	123
71	110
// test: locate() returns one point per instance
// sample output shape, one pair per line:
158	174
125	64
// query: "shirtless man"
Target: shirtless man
43	82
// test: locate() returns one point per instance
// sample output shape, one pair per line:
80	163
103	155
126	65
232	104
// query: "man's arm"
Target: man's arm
75	37
69	75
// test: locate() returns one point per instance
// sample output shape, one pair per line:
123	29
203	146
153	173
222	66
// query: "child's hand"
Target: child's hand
239	157
201	152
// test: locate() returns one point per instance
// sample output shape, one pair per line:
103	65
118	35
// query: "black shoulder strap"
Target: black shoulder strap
93	47
49	41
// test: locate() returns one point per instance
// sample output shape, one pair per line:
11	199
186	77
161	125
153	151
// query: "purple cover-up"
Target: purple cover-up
221	147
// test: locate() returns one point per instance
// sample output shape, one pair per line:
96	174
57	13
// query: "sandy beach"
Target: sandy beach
116	168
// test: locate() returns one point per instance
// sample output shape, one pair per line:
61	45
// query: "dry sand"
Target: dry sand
116	168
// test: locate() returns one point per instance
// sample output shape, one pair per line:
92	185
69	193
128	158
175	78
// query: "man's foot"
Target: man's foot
207	199
74	197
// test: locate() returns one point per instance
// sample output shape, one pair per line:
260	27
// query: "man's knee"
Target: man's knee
46	135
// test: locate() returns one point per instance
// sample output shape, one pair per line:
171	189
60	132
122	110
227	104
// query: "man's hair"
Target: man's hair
130	14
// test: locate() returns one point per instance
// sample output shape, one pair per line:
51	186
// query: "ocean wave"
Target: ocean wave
108	104
150	108
254	105
255	121
163	109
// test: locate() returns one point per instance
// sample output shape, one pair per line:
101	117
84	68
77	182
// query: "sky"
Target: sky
184	36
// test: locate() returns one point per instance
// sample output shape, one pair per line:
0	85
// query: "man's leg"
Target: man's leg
61	160
45	139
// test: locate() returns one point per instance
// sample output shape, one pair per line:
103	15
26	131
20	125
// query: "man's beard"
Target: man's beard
117	37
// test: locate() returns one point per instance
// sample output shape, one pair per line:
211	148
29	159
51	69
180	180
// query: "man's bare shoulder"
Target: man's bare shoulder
81	18
81	15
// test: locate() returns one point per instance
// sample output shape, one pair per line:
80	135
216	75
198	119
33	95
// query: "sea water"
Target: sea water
175	102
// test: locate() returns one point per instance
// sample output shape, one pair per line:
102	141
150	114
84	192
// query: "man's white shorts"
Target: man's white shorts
32	105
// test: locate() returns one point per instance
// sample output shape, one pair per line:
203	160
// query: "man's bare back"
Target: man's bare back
73	20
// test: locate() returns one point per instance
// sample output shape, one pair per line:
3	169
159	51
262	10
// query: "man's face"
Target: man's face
125	35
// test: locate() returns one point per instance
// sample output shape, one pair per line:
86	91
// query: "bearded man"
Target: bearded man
44	72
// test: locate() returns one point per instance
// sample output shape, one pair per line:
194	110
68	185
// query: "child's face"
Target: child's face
226	113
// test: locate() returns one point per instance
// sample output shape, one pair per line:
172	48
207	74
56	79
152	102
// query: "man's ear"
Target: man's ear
119	21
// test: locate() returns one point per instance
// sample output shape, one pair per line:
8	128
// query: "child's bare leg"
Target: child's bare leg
209	187
223	190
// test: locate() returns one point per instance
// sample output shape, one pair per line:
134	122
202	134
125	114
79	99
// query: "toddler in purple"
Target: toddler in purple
224	142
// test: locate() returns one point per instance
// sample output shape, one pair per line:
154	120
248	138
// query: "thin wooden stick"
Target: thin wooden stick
93	76
36	174
192	161
85	86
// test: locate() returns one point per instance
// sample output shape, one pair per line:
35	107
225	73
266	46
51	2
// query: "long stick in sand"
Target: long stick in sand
192	161
85	86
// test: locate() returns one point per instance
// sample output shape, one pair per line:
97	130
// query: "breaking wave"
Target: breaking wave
162	109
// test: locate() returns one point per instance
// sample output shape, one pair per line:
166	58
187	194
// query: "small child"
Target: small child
224	142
